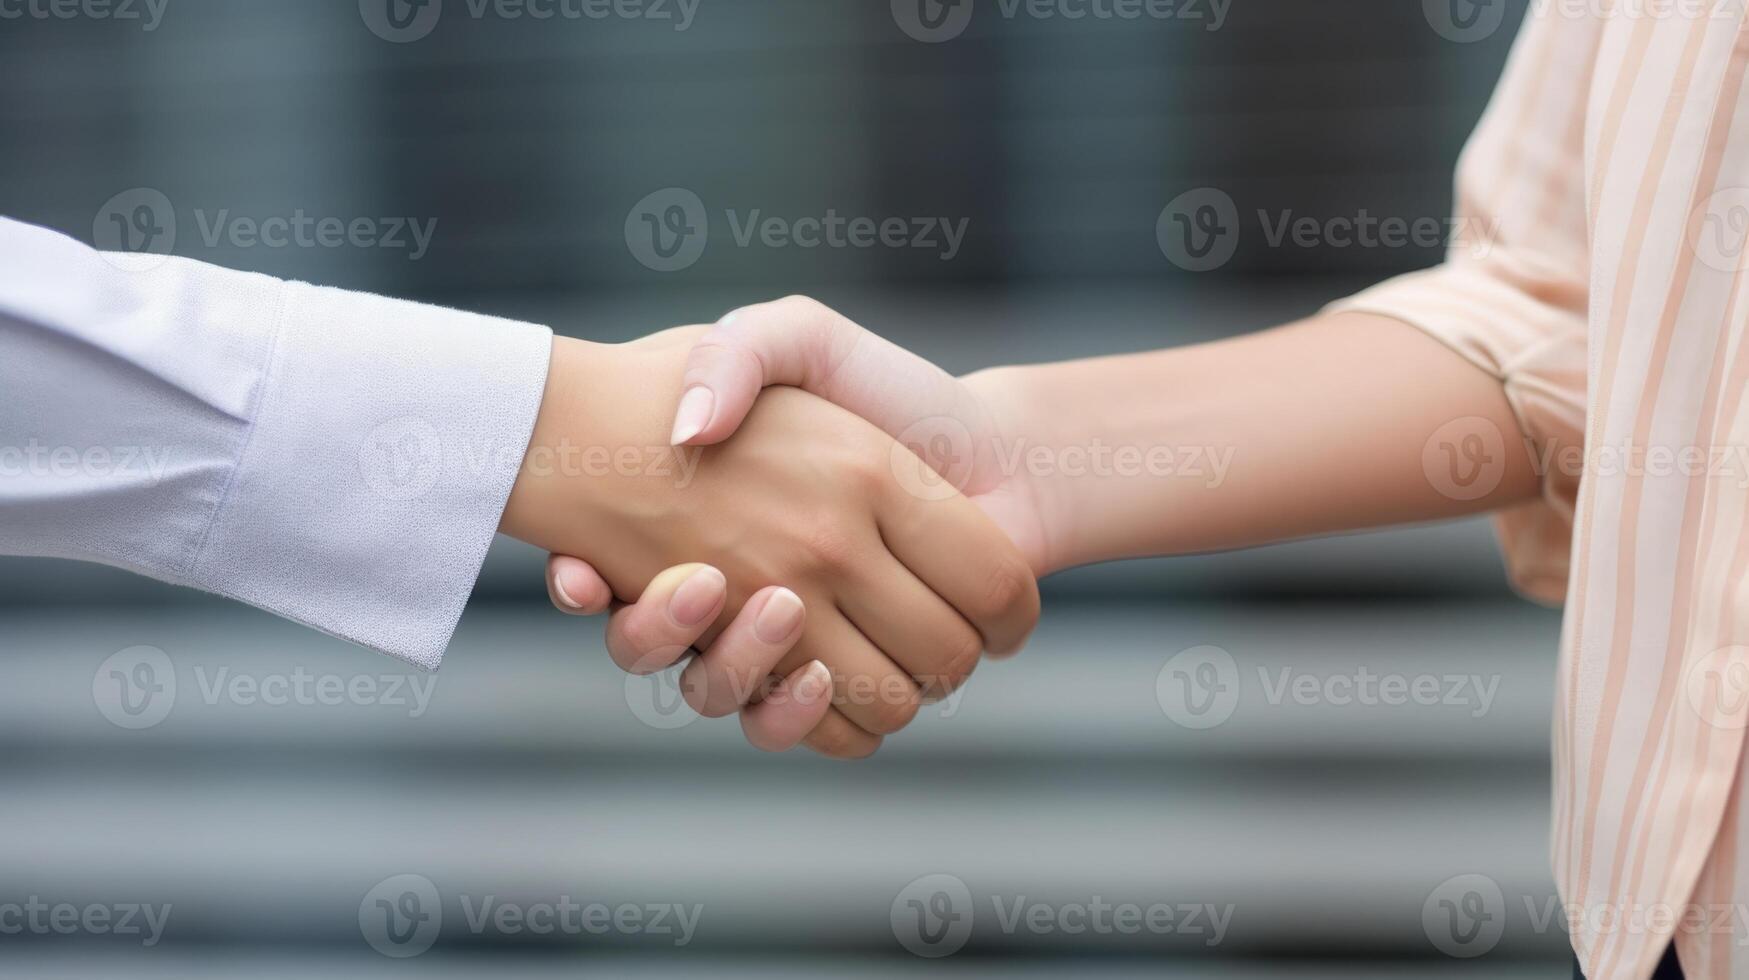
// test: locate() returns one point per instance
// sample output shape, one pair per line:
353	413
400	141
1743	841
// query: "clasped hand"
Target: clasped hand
802	556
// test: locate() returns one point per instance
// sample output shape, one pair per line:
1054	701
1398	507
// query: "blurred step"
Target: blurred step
284	964
1317	681
1277	862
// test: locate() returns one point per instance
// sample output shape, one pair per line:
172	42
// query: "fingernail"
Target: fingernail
697	597
728	318
814	683
694	414
780	617
564	596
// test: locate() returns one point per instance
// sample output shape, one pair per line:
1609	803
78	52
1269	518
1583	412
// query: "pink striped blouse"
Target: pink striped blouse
1611	172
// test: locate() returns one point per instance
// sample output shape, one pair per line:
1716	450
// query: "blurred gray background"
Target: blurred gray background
1328	836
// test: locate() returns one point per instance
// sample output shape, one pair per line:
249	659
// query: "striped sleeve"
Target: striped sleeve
1511	296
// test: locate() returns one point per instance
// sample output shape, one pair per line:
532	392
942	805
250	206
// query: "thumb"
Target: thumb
804	343
790	341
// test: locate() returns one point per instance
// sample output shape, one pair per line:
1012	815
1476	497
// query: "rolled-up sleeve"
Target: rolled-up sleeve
336	458
1512	294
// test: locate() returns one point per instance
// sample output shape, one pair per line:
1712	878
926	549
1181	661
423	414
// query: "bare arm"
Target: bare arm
1336	423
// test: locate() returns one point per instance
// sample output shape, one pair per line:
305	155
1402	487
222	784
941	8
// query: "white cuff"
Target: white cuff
383	448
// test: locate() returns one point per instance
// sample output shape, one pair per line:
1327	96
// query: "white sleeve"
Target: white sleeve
335	458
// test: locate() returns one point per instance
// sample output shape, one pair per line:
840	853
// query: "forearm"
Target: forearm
326	455
1337	423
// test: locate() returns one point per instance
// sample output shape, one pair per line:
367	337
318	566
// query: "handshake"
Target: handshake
846	552
846	549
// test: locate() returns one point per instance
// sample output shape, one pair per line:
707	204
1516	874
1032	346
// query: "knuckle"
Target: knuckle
638	645
866	471
841	741
759	736
642	634
828	547
799	305
963	657
1010	592
893	710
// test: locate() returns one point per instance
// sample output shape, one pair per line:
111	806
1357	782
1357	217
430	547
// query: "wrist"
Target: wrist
563	484
1016	425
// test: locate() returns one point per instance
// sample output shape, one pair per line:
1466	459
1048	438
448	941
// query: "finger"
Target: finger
674	611
966	559
772	343
733	671
915	627
868	687
837	737
793	709
576	587
804	343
